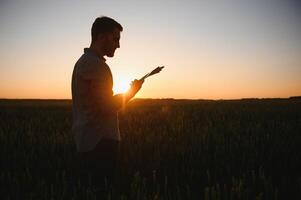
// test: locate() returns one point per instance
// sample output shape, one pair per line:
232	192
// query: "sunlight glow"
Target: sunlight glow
121	85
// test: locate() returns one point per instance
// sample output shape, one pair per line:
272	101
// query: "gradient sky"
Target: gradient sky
211	49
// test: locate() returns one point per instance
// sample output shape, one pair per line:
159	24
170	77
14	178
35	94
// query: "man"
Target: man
95	108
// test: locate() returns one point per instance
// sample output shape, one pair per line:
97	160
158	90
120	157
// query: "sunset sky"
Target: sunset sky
210	49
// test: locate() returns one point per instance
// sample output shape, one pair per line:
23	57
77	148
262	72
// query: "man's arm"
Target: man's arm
121	99
106	101
99	91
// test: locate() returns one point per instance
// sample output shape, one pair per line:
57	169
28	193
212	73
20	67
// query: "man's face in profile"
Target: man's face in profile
111	42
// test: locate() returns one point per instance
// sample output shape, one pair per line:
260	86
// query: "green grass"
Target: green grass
171	149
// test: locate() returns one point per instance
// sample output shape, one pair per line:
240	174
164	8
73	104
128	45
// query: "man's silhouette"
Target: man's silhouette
95	108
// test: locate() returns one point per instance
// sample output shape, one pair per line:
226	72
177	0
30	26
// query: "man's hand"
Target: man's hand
135	87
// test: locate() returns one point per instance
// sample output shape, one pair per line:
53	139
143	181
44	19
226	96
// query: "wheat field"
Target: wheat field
171	149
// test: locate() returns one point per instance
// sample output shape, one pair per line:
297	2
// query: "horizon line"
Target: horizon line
248	98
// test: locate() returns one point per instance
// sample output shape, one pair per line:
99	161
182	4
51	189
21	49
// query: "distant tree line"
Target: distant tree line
295	97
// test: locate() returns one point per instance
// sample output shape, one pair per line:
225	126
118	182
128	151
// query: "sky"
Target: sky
218	49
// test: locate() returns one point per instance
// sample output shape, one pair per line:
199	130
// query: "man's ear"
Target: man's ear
101	36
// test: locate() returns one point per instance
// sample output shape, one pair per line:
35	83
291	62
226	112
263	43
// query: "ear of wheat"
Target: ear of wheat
155	71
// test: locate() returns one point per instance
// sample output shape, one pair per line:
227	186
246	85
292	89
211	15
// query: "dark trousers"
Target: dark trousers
101	164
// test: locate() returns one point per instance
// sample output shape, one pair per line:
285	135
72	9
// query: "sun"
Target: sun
121	85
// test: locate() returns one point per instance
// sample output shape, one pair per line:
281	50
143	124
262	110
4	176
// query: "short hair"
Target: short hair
104	25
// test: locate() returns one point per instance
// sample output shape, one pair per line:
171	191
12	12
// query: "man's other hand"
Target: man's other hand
135	87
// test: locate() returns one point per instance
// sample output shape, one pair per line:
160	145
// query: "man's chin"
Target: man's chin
111	54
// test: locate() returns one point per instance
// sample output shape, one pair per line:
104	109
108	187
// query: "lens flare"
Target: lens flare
121	85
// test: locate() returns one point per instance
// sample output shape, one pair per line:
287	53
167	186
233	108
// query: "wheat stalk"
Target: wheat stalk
155	71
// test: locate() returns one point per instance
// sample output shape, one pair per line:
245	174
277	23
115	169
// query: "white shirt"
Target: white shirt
94	108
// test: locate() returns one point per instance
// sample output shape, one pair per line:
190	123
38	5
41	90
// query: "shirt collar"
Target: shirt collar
92	52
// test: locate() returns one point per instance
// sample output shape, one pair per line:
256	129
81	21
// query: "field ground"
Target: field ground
171	149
